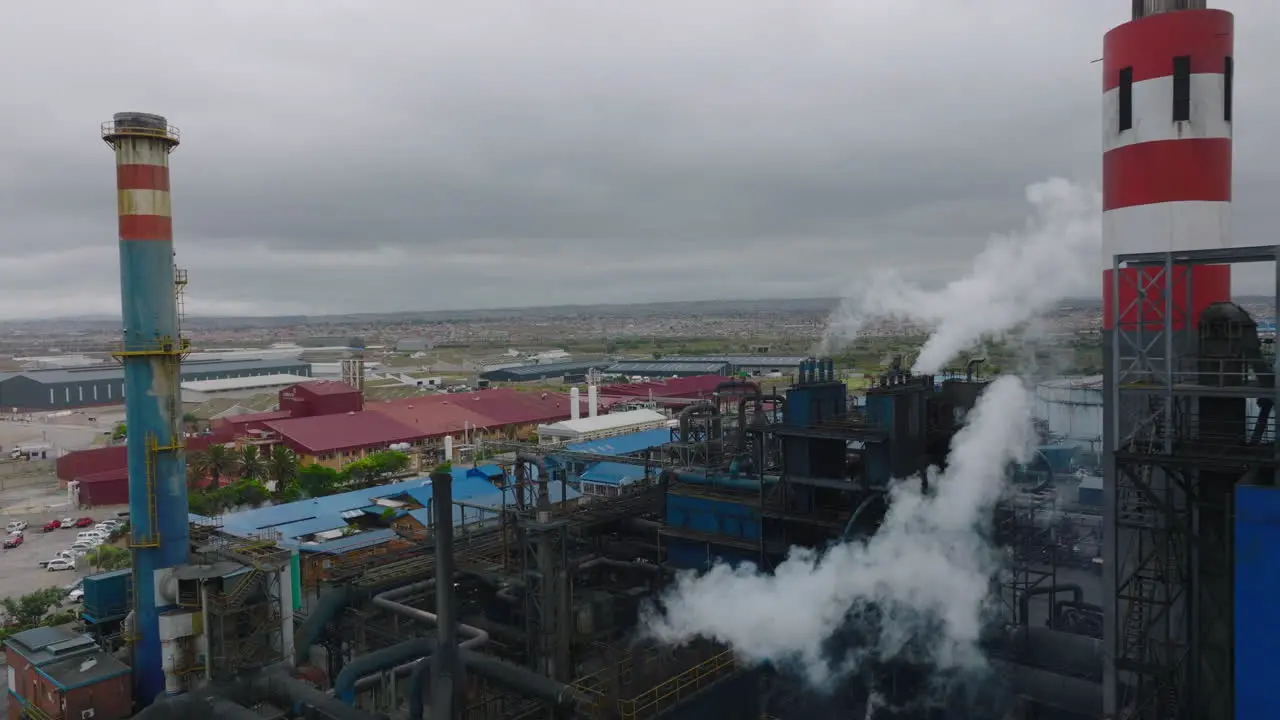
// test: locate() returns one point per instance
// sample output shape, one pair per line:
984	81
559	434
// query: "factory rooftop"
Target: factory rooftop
453	413
624	444
322	524
193	369
781	363
570	429
245	383
668	367
696	386
325	434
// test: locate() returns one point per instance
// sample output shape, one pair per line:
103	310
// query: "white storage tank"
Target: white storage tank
1073	408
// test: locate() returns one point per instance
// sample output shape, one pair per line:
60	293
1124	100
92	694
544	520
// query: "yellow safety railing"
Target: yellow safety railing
151	538
166	347
668	694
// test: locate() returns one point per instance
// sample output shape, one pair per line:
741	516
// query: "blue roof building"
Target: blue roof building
629	444
324	524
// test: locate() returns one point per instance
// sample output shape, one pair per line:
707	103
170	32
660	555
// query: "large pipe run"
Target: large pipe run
151	353
1024	601
328	606
389	601
282	688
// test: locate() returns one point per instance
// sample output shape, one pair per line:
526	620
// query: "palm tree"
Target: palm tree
215	463
250	463
282	466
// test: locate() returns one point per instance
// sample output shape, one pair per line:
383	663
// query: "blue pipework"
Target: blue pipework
153	413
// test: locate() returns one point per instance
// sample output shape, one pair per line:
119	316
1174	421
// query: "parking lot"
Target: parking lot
20	566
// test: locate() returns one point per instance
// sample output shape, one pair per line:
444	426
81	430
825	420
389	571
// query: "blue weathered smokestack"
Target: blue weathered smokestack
151	354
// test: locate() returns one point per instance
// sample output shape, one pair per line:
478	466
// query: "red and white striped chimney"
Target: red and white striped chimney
1166	144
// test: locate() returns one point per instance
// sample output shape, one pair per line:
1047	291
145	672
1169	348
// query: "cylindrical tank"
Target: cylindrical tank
1072	407
593	404
575	405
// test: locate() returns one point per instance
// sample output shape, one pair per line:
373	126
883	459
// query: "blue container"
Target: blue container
1257	626
106	595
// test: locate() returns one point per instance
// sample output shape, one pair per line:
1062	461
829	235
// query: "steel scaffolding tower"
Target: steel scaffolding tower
1178	437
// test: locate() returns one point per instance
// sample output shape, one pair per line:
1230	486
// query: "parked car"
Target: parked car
15	526
84	522
83	546
67	522
76	595
61	564
51	526
60	555
13	541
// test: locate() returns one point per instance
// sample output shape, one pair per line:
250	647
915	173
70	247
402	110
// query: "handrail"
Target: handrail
671	692
114	129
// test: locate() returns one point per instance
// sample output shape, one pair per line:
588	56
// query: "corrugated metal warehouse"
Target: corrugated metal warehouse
756	364
543	371
58	389
667	368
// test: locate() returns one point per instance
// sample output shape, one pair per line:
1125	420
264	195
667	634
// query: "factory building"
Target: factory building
322	397
499	412
198	391
344	527
668	392
58	389
56	673
601	426
543	371
749	364
338	440
667	368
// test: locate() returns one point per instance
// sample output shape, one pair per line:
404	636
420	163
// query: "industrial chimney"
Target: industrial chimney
151	353
575	404
593	405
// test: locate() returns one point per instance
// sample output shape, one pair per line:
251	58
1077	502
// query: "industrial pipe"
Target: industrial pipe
1056	652
544	477
520	679
344	686
328	606
1024	602
1061	692
284	689
200	705
698	409
476	637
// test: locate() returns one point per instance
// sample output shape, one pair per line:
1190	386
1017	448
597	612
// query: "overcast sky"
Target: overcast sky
392	155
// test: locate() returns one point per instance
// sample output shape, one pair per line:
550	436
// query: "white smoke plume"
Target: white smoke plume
1016	278
926	572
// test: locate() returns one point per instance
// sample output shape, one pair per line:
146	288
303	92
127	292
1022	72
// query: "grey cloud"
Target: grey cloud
499	152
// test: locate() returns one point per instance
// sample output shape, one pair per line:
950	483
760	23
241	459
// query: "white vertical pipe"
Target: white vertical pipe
592	404
448	448
575	405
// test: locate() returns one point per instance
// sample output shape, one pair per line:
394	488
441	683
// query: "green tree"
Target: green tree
109	557
282	467
215	463
249	464
120	431
28	610
376	468
249	491
318	481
